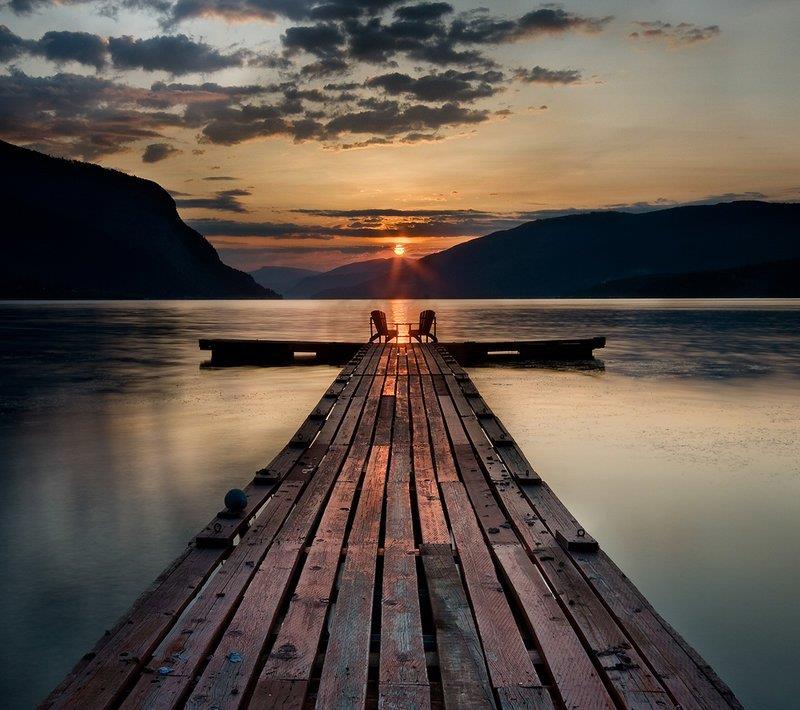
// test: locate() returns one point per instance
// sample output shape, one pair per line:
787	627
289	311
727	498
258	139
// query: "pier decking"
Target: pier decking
399	552
231	351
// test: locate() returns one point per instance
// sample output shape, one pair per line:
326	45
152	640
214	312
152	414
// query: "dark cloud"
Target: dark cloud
76	115
176	54
274	230
341	86
391	118
81	47
450	85
362	224
156	152
220	178
321	40
79	118
223	201
540	75
324	67
390	212
683	33
422	32
423	11
273	9
11	46
487	29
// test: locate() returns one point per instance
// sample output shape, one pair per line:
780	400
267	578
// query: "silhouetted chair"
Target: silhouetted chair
379	329
427	323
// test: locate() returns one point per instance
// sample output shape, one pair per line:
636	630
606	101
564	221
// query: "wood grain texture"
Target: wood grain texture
400	551
402	669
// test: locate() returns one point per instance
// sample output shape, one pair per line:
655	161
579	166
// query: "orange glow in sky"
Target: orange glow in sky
399	249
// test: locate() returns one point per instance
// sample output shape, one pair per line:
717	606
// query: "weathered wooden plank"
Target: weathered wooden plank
223	530
401	427
686	680
471	403
465	678
576	679
507	658
109	635
227	351
494	429
295	648
402	673
563	652
440	446
568	532
188	645
343	683
403	696
101	681
433	524
625	671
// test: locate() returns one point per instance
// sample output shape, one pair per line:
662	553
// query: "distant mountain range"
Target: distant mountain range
777	279
735	249
76	230
281	278
317	285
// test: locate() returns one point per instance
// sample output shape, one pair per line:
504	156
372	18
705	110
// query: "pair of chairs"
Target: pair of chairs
379	328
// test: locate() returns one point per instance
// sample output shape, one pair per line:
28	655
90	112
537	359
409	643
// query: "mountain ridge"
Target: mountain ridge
78	230
559	256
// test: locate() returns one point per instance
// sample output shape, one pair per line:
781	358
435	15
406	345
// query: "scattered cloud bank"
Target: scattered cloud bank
156	152
222	201
674	35
311	96
176	54
541	75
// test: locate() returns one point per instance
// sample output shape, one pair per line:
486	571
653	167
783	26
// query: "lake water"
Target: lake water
682	457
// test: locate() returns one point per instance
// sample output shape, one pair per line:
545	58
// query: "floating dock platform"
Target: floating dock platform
227	352
399	552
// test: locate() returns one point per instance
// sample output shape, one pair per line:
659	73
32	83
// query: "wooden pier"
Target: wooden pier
399	552
227	352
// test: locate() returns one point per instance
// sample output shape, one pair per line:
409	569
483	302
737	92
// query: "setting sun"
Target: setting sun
399	249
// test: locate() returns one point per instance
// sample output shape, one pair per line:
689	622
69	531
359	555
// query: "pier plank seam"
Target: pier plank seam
294	650
575	678
223	530
343	682
315	595
462	664
511	671
668	658
624	671
232	669
102	676
187	647
402	674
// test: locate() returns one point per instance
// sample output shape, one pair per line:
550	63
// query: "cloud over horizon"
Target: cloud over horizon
345	37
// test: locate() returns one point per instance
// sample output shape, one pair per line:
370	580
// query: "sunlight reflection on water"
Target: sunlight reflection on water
682	457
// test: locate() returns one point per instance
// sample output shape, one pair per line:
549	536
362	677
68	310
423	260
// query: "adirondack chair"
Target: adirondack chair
427	321
378	327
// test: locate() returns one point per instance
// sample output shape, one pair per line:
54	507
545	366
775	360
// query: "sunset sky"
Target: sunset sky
305	133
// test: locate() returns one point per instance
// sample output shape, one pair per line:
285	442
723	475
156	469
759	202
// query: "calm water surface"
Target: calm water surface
682	457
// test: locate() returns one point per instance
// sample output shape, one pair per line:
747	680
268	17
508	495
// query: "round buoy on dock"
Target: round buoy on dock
236	500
